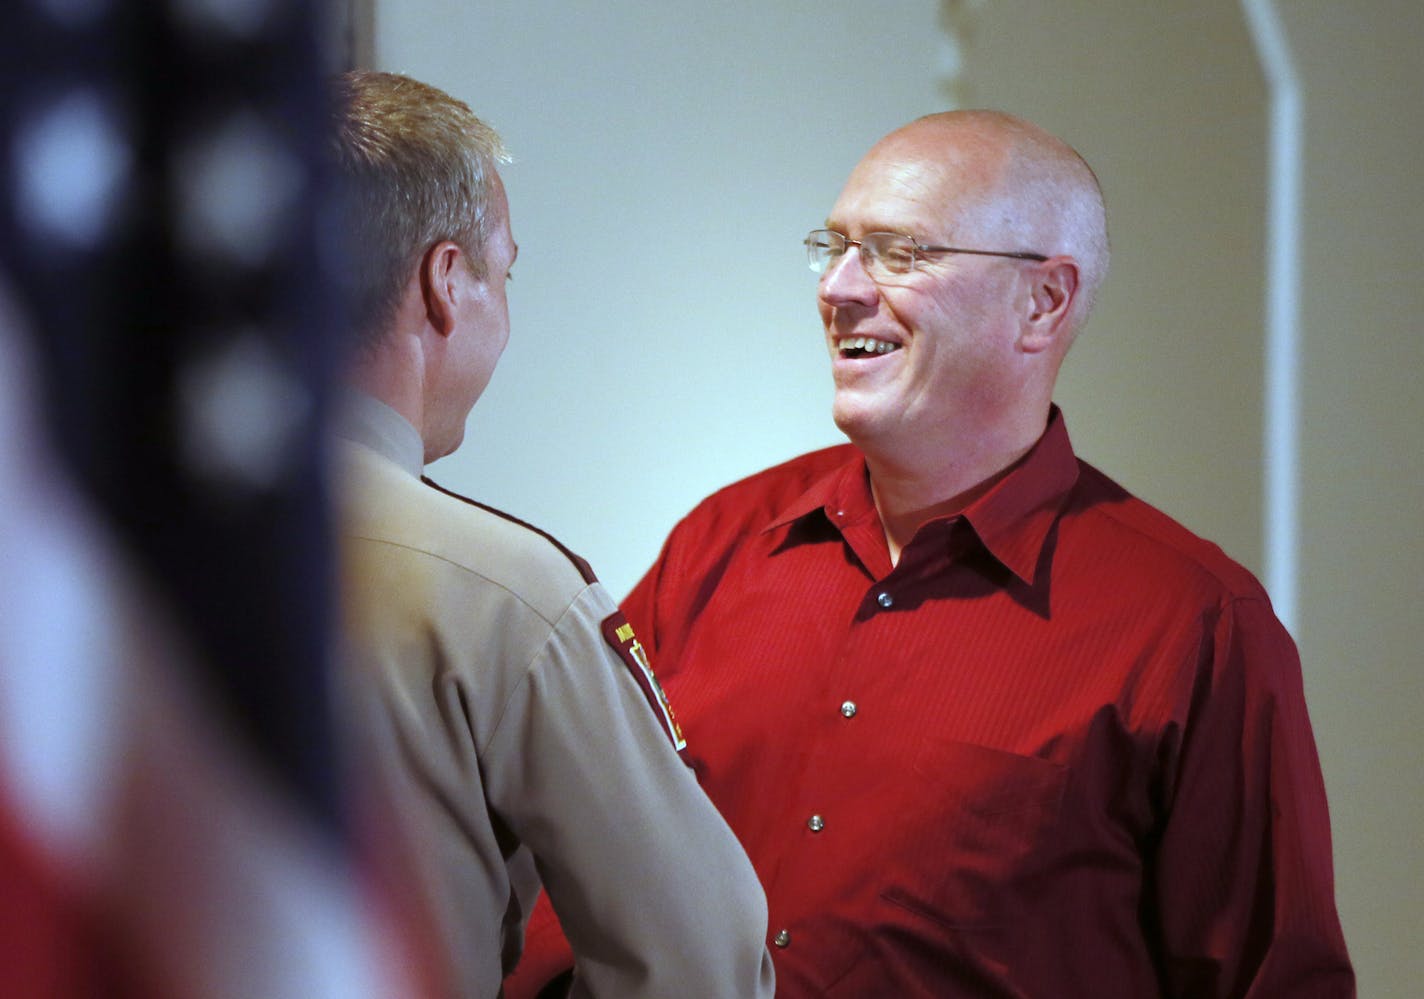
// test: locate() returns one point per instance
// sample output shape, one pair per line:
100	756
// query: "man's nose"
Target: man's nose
847	281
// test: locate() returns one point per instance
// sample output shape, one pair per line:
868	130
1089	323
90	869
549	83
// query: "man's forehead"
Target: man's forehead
498	197
498	209
900	192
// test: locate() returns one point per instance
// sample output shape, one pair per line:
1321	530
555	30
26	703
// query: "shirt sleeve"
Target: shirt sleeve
640	605
1243	870
656	896
666	600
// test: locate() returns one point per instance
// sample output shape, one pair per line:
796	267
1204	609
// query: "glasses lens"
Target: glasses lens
888	252
823	246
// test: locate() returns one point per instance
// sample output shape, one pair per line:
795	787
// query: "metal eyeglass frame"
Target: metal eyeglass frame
916	248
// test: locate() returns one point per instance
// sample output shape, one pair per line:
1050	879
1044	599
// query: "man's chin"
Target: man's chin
447	446
855	421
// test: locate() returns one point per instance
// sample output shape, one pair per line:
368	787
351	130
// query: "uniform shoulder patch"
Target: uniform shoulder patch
619	634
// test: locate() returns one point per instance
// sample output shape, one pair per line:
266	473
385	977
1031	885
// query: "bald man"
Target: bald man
987	724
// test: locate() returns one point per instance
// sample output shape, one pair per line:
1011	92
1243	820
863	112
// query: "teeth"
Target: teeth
867	343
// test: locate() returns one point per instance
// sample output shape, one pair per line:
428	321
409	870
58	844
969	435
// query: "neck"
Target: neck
912	489
388	374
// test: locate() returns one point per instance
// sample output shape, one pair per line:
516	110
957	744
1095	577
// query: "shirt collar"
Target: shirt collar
1011	520
842	493
367	421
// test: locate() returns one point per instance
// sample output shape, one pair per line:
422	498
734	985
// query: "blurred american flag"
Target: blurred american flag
171	815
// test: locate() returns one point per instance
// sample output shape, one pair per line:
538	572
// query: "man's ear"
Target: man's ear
1051	293
442	274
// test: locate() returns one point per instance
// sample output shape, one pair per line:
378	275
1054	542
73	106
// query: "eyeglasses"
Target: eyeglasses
885	253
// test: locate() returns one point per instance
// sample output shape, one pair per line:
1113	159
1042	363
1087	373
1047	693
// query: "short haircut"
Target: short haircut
414	167
1045	197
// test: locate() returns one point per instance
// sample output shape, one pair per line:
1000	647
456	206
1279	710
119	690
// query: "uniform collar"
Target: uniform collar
1012	520
367	421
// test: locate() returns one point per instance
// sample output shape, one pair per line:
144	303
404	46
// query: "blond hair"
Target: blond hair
414	167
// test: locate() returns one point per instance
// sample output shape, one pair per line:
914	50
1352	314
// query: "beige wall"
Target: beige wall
1363	462
670	157
1171	107
1164	390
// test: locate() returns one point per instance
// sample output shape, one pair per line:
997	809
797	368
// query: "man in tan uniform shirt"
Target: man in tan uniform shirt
502	707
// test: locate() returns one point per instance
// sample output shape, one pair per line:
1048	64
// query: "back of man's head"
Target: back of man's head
414	167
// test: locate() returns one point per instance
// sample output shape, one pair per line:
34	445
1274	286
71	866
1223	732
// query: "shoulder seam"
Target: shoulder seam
1229	586
529	668
469	571
584	569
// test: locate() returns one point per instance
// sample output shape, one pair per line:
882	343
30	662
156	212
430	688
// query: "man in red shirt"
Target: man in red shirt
985	723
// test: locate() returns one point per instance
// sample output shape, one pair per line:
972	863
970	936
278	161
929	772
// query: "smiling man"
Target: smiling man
986	723
944	357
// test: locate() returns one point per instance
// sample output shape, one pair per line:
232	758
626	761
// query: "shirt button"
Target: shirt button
849	709
782	938
815	823
885	600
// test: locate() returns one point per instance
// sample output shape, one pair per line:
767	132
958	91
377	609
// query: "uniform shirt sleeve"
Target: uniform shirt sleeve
1243	869
654	892
546	952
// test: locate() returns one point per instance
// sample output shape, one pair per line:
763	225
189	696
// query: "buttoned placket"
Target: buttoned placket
848	709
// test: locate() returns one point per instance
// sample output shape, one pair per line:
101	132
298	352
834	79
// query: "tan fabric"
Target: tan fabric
517	746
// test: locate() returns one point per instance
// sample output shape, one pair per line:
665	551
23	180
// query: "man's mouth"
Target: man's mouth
864	346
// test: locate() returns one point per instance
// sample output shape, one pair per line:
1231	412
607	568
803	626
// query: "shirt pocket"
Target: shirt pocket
979	831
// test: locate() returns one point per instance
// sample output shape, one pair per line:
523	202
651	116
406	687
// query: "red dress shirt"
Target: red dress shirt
1061	749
